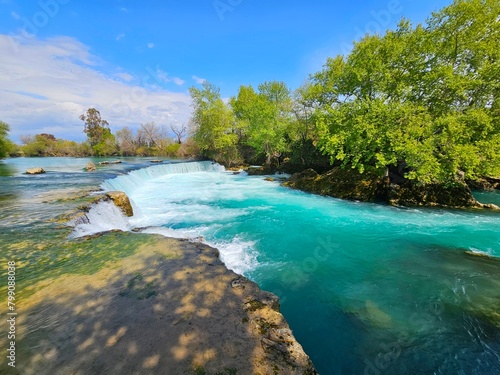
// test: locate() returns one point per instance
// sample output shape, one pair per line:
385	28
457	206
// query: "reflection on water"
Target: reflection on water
6	169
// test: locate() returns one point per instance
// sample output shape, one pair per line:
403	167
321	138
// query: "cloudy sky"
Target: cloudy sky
135	60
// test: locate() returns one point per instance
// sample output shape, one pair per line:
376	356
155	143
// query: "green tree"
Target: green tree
214	125
5	144
107	145
39	145
264	117
94	126
423	101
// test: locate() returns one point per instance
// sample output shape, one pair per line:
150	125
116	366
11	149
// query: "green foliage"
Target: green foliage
264	117
423	100
5	145
107	145
419	101
126	143
172	149
96	128
48	145
214	125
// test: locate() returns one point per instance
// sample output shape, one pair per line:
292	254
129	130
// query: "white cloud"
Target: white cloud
125	76
178	81
120	36
162	76
198	80
15	15
49	96
123	9
151	45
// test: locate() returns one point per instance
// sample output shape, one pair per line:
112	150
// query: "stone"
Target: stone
340	183
397	191
90	167
457	195
260	170
121	200
239	282
35	171
110	162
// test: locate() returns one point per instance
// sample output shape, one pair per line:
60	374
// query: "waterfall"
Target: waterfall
135	179
105	216
101	217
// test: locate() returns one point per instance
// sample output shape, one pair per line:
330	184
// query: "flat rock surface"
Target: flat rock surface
171	308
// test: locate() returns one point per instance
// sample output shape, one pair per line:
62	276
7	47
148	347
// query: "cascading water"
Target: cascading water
101	217
136	179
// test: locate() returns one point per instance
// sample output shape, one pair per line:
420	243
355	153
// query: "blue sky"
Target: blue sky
135	60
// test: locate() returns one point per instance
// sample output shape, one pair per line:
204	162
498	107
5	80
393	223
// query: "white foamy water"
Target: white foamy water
238	255
177	200
102	217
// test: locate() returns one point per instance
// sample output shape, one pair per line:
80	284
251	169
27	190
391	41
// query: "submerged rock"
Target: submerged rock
35	171
90	167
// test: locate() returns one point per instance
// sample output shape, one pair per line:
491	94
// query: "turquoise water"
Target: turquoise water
367	289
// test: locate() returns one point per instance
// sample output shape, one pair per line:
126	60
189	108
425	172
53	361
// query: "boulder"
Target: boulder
457	195
340	183
485	184
110	162
35	171
121	200
370	187
260	170
90	167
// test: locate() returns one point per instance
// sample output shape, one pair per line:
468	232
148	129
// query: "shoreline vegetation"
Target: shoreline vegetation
413	113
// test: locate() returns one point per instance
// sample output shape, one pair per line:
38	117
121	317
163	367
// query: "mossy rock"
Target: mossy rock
340	183
457	195
370	187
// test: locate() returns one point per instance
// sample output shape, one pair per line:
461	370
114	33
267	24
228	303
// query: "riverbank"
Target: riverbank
393	190
170	308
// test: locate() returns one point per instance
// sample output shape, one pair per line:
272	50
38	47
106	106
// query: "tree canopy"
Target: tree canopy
424	100
214	124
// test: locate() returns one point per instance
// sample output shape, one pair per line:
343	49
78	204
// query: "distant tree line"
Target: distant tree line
421	102
149	140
